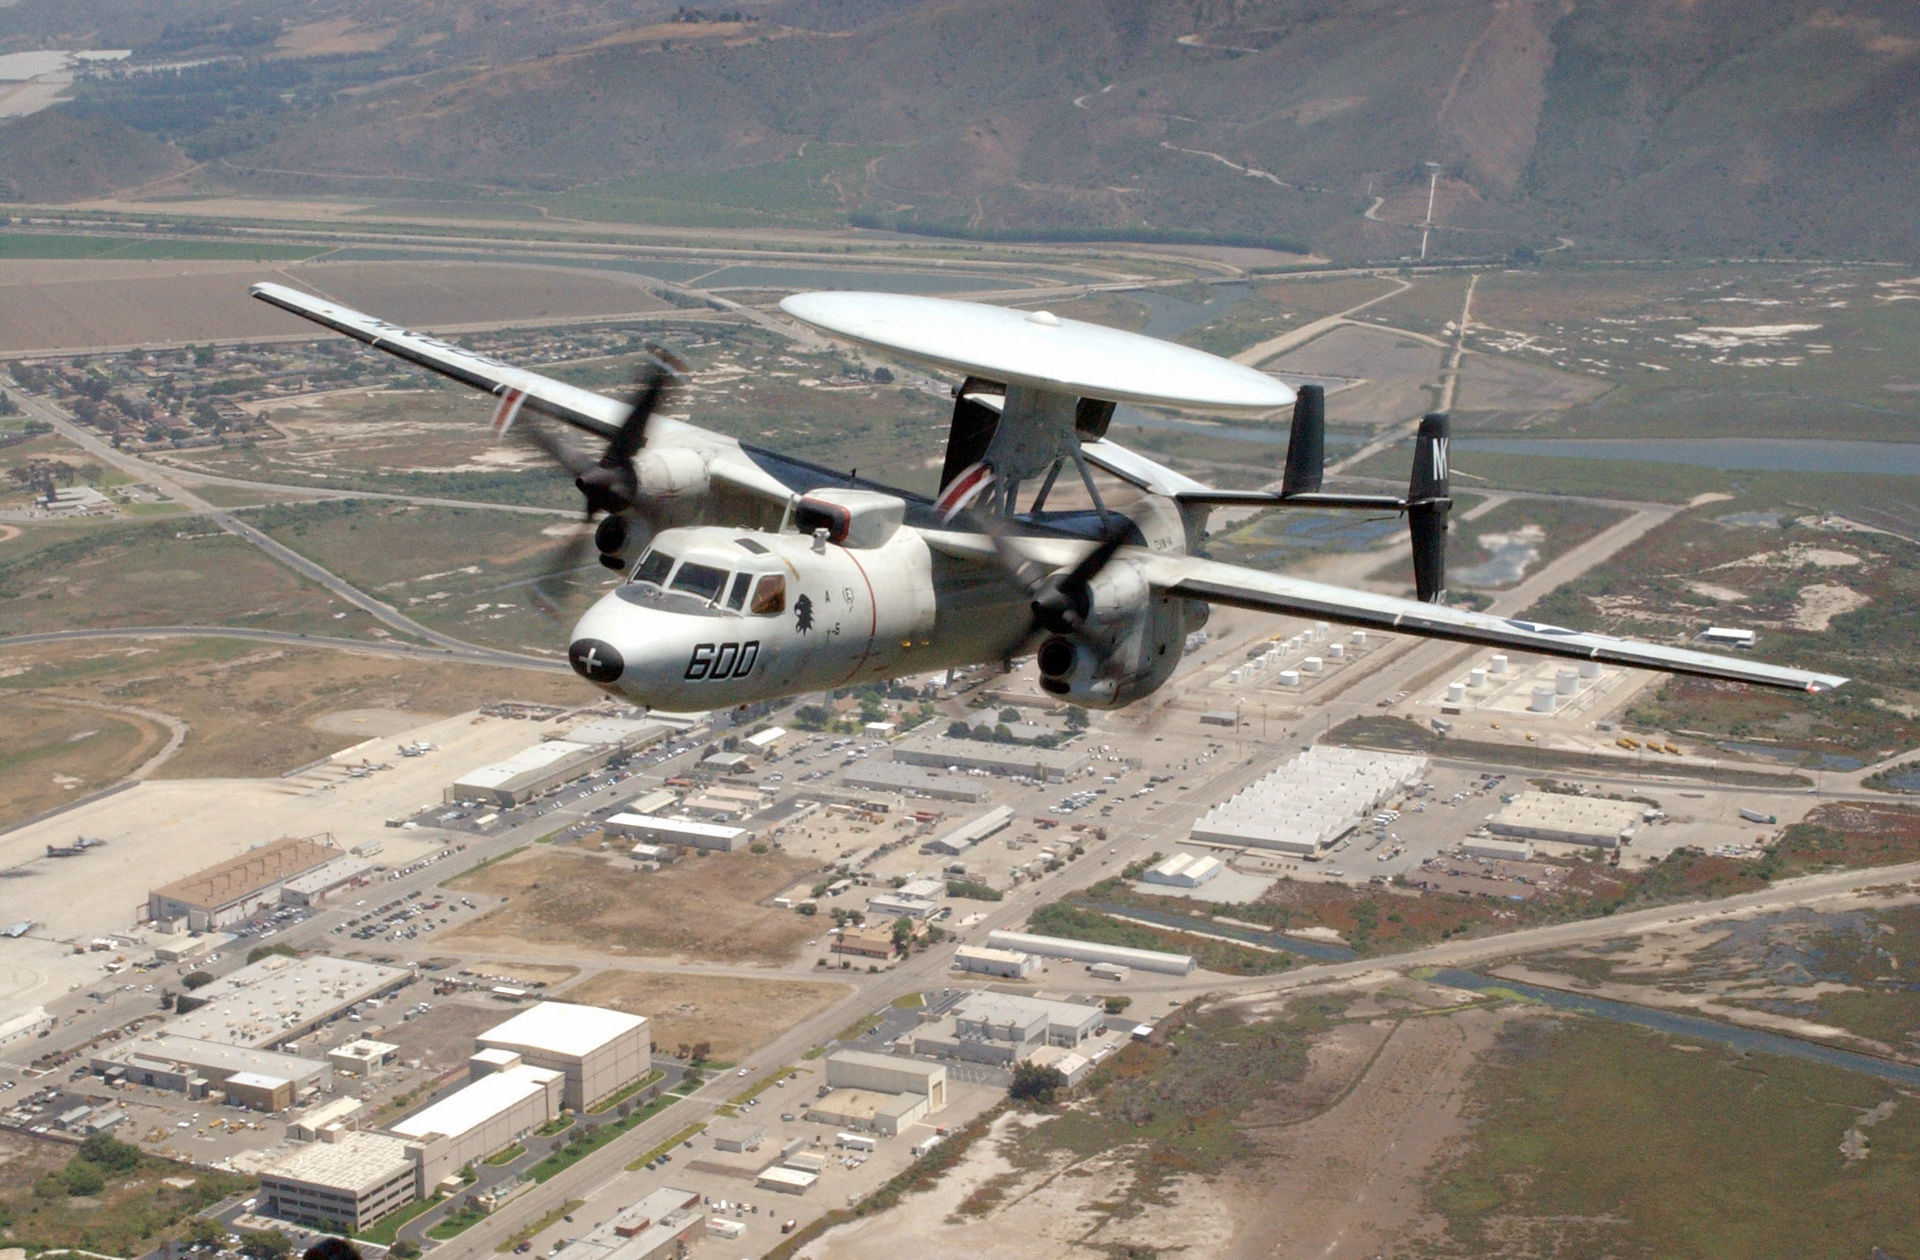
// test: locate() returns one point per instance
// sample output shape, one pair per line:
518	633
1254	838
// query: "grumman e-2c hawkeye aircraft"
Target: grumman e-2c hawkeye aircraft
751	575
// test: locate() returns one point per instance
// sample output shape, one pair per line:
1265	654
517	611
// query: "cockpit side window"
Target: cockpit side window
737	595
653	567
770	596
702	580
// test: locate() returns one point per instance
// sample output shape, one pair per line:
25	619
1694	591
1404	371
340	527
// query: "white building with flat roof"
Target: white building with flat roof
683	831
599	1051
981	960
531	771
1568	819
346	1183
1091	952
486	1116
1310	801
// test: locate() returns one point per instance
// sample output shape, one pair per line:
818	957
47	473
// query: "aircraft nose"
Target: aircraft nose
596	660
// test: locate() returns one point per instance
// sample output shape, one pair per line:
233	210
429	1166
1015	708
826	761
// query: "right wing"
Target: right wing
1238	587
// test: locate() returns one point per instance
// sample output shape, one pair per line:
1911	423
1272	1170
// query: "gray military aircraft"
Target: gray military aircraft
750	575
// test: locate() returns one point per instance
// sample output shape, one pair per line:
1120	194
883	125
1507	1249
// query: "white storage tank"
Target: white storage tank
1476	678
1289	678
1456	692
1497	663
1311	665
1567	682
1589	669
1543	700
1359	638
1337	652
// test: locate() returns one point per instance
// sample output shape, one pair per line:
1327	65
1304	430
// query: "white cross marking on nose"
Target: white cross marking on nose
592	659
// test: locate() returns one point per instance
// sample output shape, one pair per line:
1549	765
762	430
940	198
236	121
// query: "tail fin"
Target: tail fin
1306	442
1428	500
972	429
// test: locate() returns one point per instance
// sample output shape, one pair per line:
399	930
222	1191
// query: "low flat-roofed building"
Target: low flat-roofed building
335	1113
1008	963
194	1065
1071	1064
311	887
1183	870
652	802
1728	636
1494	847
863	943
1567	819
1051	765
599	1051
761	741
362	1056
786	1180
893	776
626	734
664	1225
280	999
487	1115
349	1182
1093	952
868	1110
531	771
1007	1028
730	1134
233	890
257	1091
727	763
894	905
24	1025
683	831
958	840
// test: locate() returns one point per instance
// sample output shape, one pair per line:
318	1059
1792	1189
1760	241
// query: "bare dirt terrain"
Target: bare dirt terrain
81	305
732	1014
701	907
55	753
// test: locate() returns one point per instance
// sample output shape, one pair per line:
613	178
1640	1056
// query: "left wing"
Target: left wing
1239	587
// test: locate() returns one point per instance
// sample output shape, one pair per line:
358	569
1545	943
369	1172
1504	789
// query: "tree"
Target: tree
265	1244
1076	718
404	1249
196	980
105	1151
902	931
258	952
1009	714
202	1232
1033	1083
702	1051
1116	1004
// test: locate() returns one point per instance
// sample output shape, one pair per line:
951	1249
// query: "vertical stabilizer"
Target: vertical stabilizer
1306	442
1428	500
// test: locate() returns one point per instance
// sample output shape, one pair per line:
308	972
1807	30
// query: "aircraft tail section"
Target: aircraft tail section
1428	501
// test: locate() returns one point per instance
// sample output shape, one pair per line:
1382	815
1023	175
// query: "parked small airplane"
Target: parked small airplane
751	575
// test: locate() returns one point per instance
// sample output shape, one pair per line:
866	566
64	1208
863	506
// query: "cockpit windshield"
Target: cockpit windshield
700	580
653	567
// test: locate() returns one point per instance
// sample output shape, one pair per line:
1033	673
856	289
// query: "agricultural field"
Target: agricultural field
251	711
1593	1138
732	1014
704	907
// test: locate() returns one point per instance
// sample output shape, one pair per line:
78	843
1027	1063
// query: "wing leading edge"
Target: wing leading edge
1238	587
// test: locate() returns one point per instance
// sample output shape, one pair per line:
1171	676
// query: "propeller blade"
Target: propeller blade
554	449
633	430
571	556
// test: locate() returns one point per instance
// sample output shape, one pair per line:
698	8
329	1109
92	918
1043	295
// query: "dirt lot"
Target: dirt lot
735	1015
701	907
442	1039
249	708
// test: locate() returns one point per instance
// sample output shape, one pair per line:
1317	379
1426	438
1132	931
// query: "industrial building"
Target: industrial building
1006	1028
1184	870
234	890
312	887
1311	801
896	904
278	1000
1007	963
662	1226
783	1180
682	831
879	1092
599	1051
736	1135
894	776
969	833
863	943
1493	847
1071	1064
264	1080
326	1121
346	1183
490	1114
1568	819
1051	765
530	772
1090	952
362	1056
24	1025
628	735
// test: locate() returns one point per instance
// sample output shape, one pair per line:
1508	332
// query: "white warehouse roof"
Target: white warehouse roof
1091	952
564	1028
677	826
538	757
478	1103
1311	801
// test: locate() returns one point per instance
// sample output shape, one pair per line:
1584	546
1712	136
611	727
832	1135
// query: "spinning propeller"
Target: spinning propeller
1060	601
608	484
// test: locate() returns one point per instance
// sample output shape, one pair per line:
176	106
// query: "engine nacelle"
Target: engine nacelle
673	484
1129	646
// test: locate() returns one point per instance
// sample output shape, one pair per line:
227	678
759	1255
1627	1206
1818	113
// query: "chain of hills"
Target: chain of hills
1644	127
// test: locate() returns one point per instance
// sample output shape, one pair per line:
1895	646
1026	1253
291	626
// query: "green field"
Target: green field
49	245
812	190
1593	1138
